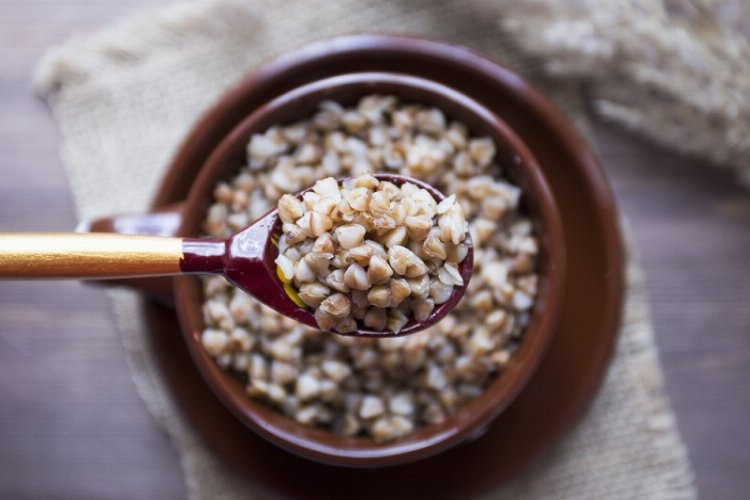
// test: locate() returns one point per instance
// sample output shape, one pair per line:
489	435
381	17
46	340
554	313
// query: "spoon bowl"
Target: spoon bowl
249	263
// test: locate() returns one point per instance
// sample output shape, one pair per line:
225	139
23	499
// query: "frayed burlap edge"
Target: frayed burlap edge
675	72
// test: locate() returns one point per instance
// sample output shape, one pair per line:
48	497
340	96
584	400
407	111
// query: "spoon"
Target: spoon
246	259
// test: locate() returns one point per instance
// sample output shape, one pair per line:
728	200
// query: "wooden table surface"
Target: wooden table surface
72	426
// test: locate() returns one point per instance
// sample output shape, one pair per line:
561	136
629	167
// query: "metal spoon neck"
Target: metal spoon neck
203	256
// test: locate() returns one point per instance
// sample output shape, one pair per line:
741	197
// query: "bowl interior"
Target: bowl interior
517	164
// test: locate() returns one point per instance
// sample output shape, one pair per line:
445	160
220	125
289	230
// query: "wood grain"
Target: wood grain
71	423
692	229
72	426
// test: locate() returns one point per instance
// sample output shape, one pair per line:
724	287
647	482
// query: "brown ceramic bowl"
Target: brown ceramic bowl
518	165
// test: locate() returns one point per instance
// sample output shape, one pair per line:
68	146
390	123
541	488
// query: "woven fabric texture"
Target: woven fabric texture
676	71
125	97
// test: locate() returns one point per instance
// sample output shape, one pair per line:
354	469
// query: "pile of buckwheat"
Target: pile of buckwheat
383	388
372	251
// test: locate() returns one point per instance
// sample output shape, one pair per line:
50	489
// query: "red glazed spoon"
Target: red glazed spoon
246	259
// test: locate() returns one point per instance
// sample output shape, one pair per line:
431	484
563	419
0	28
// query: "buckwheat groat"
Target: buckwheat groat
382	388
354	251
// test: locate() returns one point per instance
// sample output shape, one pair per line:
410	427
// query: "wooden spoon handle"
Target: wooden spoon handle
87	255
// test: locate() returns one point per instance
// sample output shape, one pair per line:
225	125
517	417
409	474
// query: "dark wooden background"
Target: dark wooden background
72	426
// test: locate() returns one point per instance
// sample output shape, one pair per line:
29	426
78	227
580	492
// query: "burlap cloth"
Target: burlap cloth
125	97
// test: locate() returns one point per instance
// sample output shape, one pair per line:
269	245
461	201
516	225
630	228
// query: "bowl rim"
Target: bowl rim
471	419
